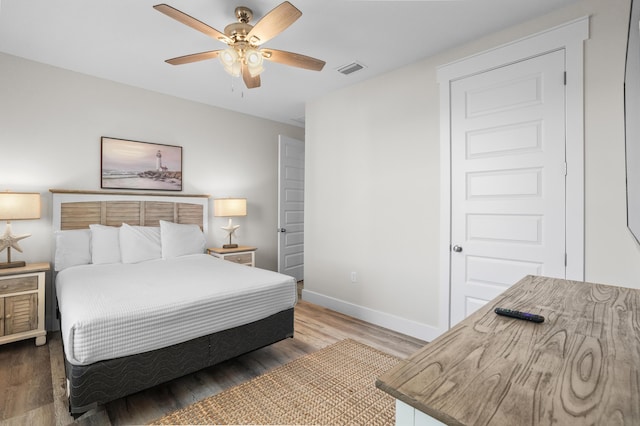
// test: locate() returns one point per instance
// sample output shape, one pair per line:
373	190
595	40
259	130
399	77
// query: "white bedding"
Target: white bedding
114	310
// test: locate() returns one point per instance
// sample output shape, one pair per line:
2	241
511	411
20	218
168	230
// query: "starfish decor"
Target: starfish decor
231	229
9	241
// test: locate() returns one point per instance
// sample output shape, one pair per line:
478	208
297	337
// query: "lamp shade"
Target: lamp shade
226	207
19	205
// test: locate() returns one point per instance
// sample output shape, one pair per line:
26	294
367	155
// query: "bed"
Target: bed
158	308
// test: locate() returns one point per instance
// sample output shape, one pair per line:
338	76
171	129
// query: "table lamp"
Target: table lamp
230	207
16	206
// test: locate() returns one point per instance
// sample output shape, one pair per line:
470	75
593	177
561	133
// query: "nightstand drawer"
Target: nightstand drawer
243	255
239	258
14	285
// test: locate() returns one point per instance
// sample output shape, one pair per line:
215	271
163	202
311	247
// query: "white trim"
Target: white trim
392	322
283	253
570	37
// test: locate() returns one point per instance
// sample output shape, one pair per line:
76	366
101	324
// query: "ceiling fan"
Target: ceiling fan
243	56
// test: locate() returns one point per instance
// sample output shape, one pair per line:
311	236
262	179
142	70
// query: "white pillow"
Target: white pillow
180	239
105	244
139	243
73	247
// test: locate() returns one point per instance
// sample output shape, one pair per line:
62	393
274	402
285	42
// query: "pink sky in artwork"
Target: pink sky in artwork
138	156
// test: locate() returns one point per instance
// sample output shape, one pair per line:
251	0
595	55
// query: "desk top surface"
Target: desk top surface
580	366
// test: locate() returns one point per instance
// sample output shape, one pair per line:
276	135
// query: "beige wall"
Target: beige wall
51	121
372	171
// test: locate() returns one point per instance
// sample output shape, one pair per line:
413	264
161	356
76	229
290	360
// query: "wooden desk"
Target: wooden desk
580	367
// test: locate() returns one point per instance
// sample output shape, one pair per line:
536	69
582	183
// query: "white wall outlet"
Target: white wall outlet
354	277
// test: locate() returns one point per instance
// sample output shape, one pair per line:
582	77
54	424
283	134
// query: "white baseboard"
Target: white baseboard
382	319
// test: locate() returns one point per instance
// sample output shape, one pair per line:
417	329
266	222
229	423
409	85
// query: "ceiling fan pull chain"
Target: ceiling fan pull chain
233	86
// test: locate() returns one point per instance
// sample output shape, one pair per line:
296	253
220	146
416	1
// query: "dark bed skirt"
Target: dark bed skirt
105	381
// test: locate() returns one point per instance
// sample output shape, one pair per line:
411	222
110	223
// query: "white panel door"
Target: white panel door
508	179
291	207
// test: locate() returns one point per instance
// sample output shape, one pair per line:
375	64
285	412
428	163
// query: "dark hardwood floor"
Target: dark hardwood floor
32	383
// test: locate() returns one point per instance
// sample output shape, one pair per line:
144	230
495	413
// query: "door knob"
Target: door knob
457	248
282	230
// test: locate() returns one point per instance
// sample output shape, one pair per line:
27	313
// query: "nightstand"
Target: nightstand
244	255
22	303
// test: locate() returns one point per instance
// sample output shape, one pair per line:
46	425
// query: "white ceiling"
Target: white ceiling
127	41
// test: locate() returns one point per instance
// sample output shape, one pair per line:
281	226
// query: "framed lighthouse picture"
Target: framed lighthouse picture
127	164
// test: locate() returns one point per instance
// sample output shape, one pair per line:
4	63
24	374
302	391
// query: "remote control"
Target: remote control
520	315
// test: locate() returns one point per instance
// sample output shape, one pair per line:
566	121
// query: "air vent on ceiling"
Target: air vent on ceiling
351	68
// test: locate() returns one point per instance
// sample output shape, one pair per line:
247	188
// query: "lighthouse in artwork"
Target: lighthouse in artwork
158	161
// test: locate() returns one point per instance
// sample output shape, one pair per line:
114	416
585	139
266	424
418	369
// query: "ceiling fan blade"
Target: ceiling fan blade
293	59
194	57
273	23
250	82
191	21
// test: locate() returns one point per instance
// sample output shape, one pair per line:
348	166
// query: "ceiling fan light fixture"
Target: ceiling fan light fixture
255	71
254	61
231	61
228	57
235	70
254	58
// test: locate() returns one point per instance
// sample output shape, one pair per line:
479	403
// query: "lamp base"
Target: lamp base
229	246
6	265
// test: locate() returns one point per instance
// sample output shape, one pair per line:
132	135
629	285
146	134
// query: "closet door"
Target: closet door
508	175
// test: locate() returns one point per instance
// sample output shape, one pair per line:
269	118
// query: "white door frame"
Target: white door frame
570	37
283	142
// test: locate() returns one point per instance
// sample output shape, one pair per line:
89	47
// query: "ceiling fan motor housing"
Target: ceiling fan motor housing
237	31
244	14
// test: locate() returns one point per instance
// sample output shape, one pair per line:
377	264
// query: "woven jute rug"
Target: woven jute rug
333	386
